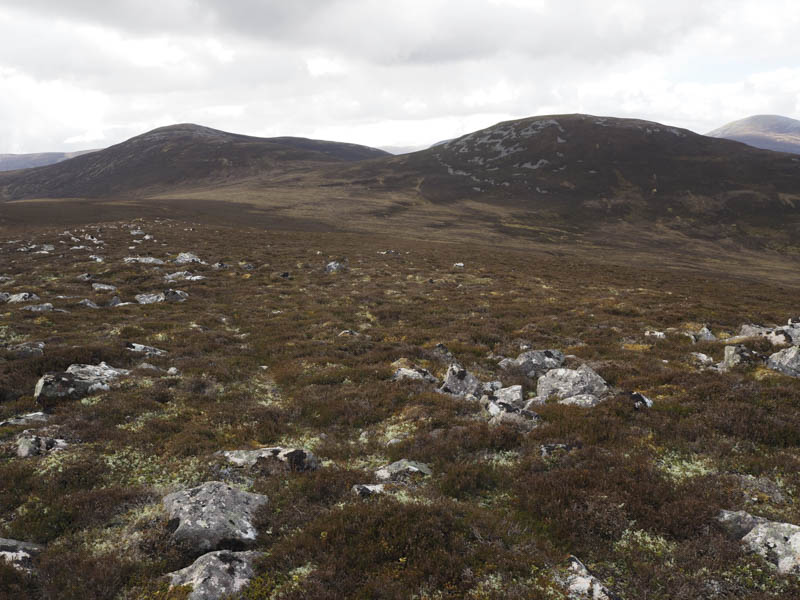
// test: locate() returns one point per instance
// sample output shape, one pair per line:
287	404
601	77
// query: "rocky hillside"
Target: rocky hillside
770	132
172	156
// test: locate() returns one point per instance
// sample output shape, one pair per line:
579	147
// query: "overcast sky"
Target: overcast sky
80	74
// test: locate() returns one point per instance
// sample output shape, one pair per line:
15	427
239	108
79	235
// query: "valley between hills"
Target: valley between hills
555	358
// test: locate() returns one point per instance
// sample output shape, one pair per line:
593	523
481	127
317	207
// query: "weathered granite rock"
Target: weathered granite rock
104	287
46	307
23	297
335	266
460	382
582	585
216	575
142	260
535	363
737	355
296	459
366	490
76	382
786	361
28	419
778	543
402	470
581	386
213	516
187	258
19	554
146	350
33	445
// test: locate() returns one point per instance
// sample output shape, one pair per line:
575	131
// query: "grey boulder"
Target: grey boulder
581	386
296	459
29	445
213	516
535	363
76	382
19	554
778	543
216	575
460	382
367	490
187	258
22	297
736	356
402	470
786	361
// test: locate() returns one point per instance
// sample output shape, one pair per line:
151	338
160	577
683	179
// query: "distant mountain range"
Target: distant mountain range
542	177
770	132
12	162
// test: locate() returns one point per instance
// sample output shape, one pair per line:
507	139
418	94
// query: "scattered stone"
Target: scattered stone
213	516
33	445
582	585
173	372
142	260
659	335
511	395
4	296
296	459
703	359
778	543
89	304
348	333
27	349
703	335
366	490
737	355
441	352
579	387
147	350
460	382
116	301
220	266
183	276
46	307
76	382
187	258
548	450
104	287
535	363
786	361
175	295
335	266
407	370
96	258
85	277
19	554
458	265
641	401
402	470
216	575
28	419
23	297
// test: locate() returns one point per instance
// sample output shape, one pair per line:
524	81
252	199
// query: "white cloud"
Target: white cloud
76	72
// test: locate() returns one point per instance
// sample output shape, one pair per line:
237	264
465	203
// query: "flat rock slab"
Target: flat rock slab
77	382
296	459
403	469
19	554
217	574
142	260
213	516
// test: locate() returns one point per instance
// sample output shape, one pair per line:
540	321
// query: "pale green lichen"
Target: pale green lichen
679	467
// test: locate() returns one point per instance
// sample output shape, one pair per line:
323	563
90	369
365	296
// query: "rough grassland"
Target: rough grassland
262	363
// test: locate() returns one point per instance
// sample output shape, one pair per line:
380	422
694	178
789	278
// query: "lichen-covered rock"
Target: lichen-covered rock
23	297
786	361
146	350
142	260
76	382
19	554
296	459
460	382
581	386
535	363
213	516
737	355
582	585
402	470
187	258
778	543
366	490
33	445
216	575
